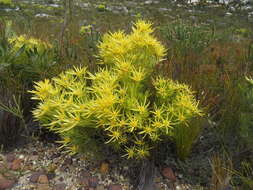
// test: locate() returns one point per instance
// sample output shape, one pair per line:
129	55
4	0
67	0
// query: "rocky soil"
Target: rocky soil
42	166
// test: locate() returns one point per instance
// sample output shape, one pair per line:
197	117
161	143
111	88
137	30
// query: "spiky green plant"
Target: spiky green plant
121	104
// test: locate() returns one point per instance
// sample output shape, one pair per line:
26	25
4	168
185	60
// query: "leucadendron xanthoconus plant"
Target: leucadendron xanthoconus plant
118	103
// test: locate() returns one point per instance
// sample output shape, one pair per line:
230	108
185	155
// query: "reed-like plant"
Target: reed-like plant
221	172
246	175
185	136
245	118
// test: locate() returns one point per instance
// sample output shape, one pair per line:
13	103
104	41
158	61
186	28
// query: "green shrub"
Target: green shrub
184	38
121	104
25	58
22	60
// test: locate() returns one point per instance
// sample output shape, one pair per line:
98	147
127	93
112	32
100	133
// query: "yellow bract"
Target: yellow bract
43	90
142	26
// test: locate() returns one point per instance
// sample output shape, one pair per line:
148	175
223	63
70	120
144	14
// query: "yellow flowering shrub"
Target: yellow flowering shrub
120	104
29	43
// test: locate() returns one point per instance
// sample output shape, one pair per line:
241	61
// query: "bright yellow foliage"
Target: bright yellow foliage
116	102
138	47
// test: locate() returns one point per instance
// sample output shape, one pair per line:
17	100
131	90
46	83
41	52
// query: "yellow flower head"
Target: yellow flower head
139	46
43	90
123	67
142	152
130	152
138	75
142	26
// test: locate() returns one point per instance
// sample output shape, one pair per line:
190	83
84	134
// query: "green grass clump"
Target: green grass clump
121	104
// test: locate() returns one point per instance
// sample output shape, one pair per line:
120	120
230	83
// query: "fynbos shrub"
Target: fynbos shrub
121	104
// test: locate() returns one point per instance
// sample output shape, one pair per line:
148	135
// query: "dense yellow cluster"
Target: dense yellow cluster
139	47
117	101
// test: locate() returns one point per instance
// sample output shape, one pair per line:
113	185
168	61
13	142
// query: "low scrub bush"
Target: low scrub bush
184	38
122	104
23	60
